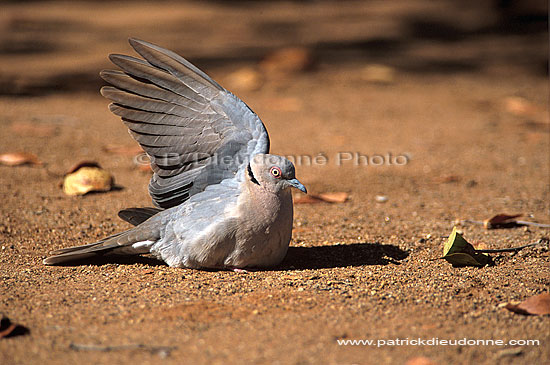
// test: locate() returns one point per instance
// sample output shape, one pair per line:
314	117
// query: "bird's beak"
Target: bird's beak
298	185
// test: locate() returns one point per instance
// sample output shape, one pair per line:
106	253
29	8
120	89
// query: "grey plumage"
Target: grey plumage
222	200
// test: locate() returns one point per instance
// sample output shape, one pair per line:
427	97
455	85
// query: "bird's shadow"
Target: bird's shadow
297	258
344	255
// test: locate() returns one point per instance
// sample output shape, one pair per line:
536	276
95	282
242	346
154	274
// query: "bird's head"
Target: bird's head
273	173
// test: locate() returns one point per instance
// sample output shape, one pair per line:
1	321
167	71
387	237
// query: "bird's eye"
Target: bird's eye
276	172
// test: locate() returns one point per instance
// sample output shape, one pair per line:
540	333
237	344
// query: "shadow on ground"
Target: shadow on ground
355	254
297	258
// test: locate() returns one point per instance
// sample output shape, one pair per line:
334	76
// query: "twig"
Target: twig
469	221
515	249
535	224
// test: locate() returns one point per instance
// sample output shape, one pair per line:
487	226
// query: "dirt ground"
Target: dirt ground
466	101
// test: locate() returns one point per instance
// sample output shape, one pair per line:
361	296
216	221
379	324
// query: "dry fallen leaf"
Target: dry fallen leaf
379	74
445	179
519	106
9	329
123	150
536	305
501	221
86	177
19	158
419	360
245	78
336	197
286	60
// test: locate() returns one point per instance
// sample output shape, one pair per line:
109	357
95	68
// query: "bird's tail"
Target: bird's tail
135	241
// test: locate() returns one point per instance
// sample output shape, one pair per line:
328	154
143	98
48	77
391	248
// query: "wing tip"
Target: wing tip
107	91
136	41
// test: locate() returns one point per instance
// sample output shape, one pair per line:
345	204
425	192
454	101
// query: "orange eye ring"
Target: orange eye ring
276	172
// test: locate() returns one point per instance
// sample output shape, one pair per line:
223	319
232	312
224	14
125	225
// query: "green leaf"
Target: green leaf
459	252
464	259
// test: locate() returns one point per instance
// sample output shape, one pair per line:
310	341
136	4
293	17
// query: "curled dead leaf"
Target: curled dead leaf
19	158
419	360
519	106
501	221
335	197
378	74
535	305
245	78
287	60
86	177
445	179
10	329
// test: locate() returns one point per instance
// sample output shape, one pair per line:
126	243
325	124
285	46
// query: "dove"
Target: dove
221	200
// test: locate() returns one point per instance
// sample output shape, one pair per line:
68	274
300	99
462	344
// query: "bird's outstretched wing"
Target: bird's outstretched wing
195	132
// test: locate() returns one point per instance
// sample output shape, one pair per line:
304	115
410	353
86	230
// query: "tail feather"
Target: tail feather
132	242
80	248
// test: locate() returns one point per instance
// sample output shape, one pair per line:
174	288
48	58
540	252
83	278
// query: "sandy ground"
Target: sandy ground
356	270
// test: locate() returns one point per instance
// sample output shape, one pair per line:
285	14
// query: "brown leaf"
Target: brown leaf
9	329
419	360
245	78
33	129
19	158
123	150
519	106
445	179
335	197
501	221
536	305
378	74
85	177
287	60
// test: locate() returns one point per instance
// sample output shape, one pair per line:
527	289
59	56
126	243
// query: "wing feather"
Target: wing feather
185	121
